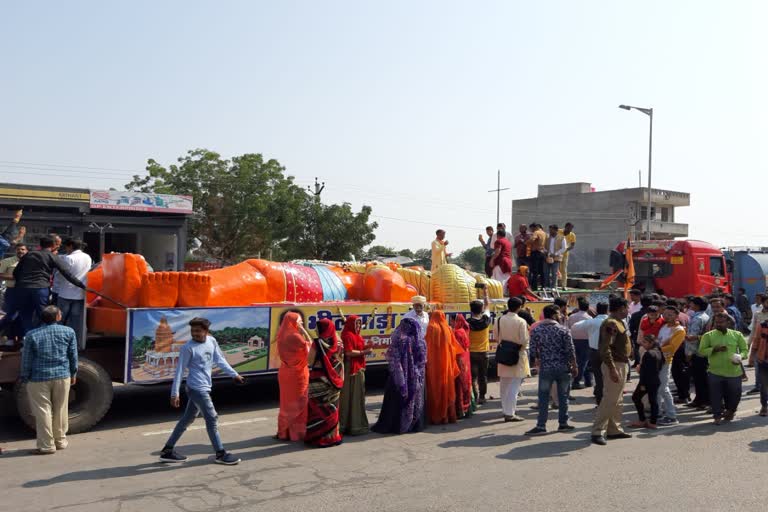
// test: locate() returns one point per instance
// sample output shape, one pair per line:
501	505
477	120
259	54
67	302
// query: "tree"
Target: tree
473	258
379	250
423	257
407	253
330	232
248	206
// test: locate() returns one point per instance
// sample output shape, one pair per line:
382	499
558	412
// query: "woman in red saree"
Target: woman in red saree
464	382
518	285
442	370
326	378
293	343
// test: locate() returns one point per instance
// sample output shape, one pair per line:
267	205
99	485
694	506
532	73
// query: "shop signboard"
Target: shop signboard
140	202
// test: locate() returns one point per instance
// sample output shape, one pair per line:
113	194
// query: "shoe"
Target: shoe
565	428
571	398
554	406
718	421
693	404
599	440
728	416
172	456
481	401
620	435
666	422
514	418
227	459
578	386
764	411
536	431
638	424
651	426
753	391
63	445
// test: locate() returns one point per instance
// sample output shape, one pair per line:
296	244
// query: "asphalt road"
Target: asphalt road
480	463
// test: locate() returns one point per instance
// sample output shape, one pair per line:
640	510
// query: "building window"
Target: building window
644	212
665	215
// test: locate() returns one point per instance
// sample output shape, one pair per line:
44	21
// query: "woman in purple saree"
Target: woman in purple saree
403	407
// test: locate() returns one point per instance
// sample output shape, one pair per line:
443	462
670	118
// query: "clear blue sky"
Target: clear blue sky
407	106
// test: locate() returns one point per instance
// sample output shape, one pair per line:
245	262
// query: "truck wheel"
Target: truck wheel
89	399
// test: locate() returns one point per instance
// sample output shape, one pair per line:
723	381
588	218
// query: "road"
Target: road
479	463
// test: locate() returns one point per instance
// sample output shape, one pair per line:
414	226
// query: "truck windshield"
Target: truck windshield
716	266
653	268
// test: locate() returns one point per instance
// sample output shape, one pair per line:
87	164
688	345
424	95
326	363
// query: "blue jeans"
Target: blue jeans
550	274
563	381
582	361
666	400
199	402
72	316
29	302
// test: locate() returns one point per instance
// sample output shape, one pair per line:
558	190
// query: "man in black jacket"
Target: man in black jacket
33	282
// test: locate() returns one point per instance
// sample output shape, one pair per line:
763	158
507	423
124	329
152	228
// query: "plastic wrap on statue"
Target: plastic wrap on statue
419	279
452	284
302	284
334	288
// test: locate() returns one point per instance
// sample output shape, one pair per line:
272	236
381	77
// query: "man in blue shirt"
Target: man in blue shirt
49	368
552	347
198	357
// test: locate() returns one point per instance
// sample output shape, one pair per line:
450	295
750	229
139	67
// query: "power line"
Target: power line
69	166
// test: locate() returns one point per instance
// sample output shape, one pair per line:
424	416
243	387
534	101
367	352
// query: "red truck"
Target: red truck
676	267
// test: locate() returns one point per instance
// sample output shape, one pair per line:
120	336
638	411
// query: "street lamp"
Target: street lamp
649	113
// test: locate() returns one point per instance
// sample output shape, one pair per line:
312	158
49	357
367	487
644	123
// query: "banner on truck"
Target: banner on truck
155	337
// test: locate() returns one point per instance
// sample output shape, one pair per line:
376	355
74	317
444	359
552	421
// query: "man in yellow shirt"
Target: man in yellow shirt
536	246
570	241
439	250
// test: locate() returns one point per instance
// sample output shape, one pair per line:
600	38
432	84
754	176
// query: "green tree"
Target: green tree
379	250
330	232
407	253
473	258
241	206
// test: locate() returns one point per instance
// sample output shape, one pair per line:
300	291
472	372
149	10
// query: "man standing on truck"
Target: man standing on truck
440	252
570	242
71	299
7	266
33	281
198	356
536	249
49	368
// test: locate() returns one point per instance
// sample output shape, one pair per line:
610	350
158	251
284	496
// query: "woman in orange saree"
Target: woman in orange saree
293	344
442	370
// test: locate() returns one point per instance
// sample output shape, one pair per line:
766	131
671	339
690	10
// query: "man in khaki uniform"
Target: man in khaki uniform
615	351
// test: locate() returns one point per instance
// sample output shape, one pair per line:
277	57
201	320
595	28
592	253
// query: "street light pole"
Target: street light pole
498	191
649	113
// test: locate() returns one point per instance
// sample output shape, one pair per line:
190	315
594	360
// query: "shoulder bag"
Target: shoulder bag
507	352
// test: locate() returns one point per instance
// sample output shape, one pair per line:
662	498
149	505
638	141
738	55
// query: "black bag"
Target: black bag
507	352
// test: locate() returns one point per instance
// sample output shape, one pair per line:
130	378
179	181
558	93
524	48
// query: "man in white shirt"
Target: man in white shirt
635	296
71	299
580	337
419	314
554	249
593	329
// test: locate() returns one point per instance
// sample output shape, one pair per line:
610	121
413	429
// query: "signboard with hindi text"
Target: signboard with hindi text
140	202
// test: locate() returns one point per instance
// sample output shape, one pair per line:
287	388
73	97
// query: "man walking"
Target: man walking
552	346
615	351
33	280
49	368
724	348
71	299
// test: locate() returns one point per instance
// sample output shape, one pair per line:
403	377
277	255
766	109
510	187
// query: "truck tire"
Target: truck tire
89	399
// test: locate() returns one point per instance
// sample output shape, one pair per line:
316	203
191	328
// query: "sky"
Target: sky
409	107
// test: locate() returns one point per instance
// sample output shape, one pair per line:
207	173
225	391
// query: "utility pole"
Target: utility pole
498	191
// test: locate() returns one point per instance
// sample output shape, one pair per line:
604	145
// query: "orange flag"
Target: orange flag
629	269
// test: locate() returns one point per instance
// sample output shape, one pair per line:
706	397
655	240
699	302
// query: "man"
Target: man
731	309
56	243
501	262
33	279
758	356
671	337
49	368
580	337
419	314
552	346
698	364
724	348
488	246
634	324
479	344
7	266
570	242
439	250
521	246
13	233
592	326
615	352
562	305
511	328
536	243
716	305
758	305
71	299
756	332
555	248
635	299
742	304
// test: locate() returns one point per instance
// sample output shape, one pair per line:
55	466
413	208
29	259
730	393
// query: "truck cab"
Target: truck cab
675	267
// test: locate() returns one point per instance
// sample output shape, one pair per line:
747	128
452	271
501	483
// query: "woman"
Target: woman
464	405
442	370
403	408
353	419
326	378
293	344
518	285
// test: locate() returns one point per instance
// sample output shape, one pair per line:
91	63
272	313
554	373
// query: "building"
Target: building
153	225
602	219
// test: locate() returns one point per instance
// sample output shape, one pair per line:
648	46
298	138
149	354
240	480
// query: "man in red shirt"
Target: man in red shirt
502	257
